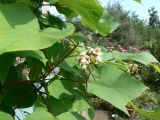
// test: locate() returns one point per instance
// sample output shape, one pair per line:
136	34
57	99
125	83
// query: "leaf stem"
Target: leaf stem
61	60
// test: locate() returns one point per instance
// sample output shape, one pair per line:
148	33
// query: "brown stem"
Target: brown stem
61	60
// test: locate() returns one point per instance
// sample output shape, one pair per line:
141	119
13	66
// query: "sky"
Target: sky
140	9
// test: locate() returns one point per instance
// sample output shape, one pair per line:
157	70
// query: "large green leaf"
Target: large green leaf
59	106
35	69
40	115
20	94
144	57
114	86
80	105
58	48
6	61
59	88
92	14
43	115
75	103
19	30
7	1
5	116
70	116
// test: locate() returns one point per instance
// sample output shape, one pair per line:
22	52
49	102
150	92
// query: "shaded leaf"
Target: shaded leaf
6	61
59	106
20	94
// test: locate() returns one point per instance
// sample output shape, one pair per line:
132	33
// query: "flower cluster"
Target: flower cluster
19	60
91	56
133	69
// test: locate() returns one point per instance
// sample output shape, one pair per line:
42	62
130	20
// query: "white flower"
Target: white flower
82	54
99	58
85	61
91	50
98	52
84	66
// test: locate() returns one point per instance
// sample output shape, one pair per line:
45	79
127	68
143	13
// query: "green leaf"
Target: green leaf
92	14
12	76
5	116
114	86
58	48
70	116
7	1
154	114
66	11
40	115
6	61
20	94
19	30
145	57
70	103
80	104
43	115
35	69
55	22
68	66
59	88
59	106
7	109
156	67
53	1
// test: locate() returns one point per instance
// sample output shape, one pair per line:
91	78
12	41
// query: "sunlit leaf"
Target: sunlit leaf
20	31
5	116
114	86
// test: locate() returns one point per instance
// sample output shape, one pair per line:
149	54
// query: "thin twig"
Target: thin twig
44	100
61	60
94	76
86	83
